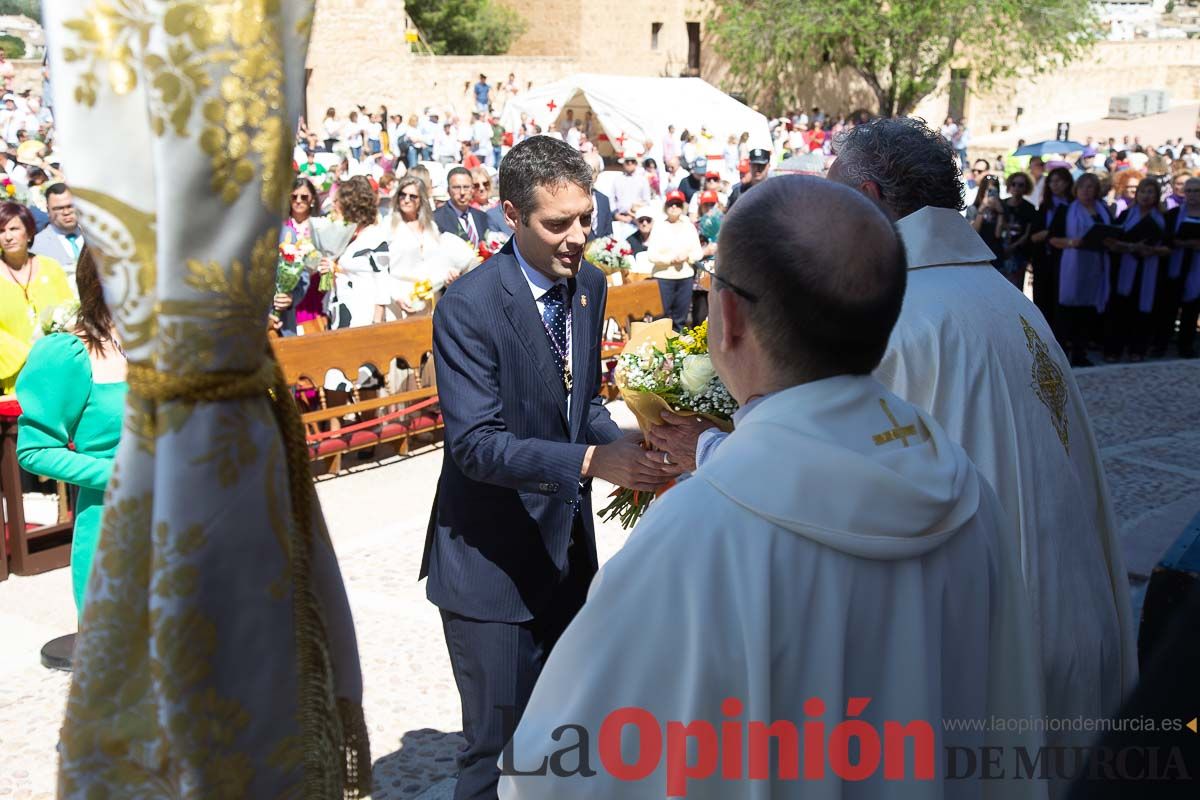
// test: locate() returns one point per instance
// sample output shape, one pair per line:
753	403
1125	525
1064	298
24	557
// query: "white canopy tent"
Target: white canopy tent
628	111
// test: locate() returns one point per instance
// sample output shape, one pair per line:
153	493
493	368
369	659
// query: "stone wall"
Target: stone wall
1082	90
358	55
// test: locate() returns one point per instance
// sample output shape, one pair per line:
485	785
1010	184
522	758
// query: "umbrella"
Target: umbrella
1050	146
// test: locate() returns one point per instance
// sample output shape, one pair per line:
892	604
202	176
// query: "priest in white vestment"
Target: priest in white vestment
837	565
980	358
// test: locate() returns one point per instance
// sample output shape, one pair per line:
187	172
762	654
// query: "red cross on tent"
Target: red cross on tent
552	105
620	140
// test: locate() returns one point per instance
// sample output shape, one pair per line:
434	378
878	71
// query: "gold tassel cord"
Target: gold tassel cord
336	747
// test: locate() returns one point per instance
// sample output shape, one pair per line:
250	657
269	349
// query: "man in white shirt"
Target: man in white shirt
629	188
977	354
839	557
62	239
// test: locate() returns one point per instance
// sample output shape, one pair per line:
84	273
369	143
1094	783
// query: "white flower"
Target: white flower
697	373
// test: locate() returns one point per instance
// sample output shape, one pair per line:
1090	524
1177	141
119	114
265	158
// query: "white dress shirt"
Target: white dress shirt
539	284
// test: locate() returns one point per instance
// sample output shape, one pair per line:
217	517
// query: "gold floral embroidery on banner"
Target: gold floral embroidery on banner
124	244
1048	383
242	37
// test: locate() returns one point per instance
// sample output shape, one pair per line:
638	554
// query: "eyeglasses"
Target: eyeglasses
709	266
409	196
464	188
302	198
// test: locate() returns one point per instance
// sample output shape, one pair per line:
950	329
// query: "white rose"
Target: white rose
696	374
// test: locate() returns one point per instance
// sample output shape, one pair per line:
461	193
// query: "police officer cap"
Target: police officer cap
760	156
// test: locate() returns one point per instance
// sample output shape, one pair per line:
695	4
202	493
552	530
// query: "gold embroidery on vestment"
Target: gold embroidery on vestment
898	431
1048	384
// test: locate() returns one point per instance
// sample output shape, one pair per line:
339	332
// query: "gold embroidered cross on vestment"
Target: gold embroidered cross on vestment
897	431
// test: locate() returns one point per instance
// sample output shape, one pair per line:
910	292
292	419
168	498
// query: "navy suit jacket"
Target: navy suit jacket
446	219
602	218
510	489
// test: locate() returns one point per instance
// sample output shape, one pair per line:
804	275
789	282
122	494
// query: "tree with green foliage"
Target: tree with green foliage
465	27
28	8
902	49
13	46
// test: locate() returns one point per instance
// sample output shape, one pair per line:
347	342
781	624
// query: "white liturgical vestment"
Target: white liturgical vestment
979	357
838	545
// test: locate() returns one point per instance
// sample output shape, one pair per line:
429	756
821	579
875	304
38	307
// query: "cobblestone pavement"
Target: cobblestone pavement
1147	419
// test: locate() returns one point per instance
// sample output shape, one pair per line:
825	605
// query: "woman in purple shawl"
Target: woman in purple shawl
1180	285
1127	320
1057	191
1083	281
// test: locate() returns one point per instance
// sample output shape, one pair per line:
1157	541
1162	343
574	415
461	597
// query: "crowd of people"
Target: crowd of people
1124	293
989	583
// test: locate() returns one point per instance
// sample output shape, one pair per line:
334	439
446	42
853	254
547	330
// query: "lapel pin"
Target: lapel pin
583	300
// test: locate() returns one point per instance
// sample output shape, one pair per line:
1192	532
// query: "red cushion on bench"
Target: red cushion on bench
363	438
422	422
392	430
328	447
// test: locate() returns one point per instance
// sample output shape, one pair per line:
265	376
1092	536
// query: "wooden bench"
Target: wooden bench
632	302
27	551
305	360
629	303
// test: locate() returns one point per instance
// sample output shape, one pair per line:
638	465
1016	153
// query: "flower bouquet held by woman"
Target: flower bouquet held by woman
660	371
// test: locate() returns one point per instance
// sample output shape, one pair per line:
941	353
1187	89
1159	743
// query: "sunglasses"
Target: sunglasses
302	198
410	196
709	267
644	220
483	185
978	171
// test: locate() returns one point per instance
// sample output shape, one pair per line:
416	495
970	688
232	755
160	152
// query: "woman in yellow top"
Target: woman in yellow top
31	287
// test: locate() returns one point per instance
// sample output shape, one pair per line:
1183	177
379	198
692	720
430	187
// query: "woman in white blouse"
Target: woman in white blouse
672	250
418	252
360	288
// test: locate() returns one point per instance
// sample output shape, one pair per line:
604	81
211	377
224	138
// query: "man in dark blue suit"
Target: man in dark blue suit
602	219
511	547
457	216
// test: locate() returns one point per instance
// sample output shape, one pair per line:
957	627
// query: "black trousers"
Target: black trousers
1166	310
1125	326
1045	289
1076	324
699	306
676	299
1189	314
496	665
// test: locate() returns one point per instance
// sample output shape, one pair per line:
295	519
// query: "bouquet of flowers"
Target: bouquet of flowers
10	191
55	319
659	371
330	238
294	258
609	254
490	244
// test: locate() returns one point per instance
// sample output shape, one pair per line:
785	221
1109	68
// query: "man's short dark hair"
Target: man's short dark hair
827	293
540	161
457	171
912	164
56	188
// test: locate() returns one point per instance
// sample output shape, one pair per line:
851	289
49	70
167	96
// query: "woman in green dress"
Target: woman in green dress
72	396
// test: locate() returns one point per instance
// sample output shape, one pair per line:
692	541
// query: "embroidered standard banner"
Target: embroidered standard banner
216	657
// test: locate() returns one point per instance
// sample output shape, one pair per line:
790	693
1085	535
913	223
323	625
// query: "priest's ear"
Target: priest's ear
727	320
871	190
